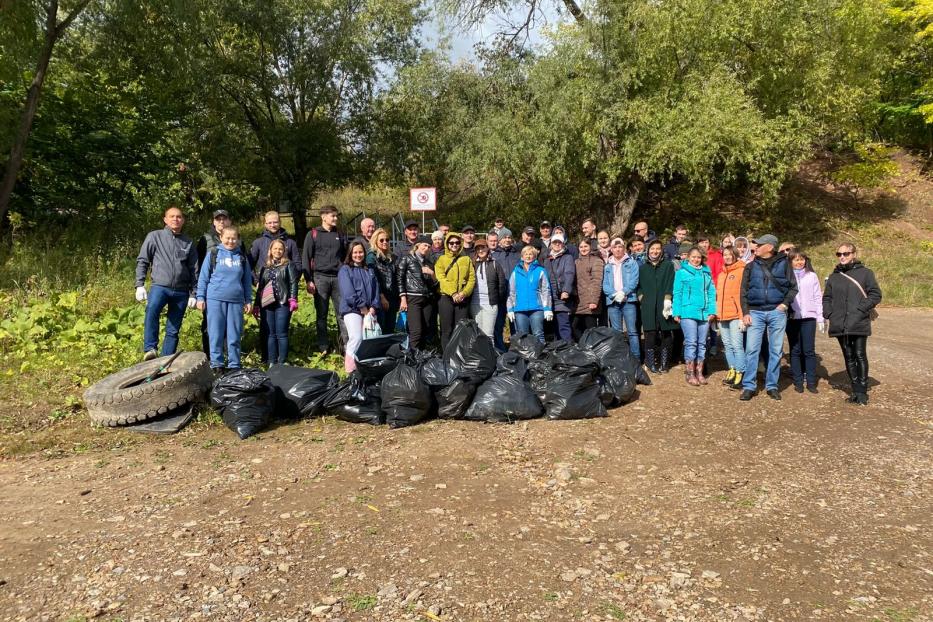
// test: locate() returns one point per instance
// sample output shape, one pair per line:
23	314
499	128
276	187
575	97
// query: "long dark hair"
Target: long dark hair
349	259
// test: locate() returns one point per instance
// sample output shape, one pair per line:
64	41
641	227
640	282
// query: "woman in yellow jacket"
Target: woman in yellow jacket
729	315
456	275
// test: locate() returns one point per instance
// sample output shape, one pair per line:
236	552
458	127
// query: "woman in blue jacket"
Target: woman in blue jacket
529	303
694	308
359	299
620	282
225	290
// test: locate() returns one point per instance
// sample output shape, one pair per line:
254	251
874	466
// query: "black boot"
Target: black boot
650	362
664	359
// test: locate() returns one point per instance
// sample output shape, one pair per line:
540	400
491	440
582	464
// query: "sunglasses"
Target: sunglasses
452	243
845	254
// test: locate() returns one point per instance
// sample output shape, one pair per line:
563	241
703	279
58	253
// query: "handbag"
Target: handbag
872	314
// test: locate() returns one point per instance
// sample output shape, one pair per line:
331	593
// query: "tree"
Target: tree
52	32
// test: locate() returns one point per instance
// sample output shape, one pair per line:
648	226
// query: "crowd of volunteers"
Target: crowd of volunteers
679	300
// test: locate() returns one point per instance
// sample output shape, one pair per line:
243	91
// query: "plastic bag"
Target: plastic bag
436	373
406	399
527	346
573	397
245	399
505	398
378	356
620	370
471	352
300	391
538	373
374	370
454	399
512	364
371	328
401	322
355	402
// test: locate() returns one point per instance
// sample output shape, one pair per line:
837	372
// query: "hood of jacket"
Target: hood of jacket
451	235
843	268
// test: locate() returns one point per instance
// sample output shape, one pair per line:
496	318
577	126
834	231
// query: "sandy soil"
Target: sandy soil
683	505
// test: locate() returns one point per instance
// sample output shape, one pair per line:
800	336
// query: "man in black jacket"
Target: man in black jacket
412	231
324	252
672	248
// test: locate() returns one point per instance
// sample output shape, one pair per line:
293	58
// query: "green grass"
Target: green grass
361	602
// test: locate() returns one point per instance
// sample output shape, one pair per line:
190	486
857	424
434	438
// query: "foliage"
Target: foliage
873	169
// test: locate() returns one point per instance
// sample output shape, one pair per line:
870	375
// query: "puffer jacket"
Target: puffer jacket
763	293
386	273
529	290
454	272
589	283
411	281
809	301
694	293
847	310
284	280
629	269
729	292
563	275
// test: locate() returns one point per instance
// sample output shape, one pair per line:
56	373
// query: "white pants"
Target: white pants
354	324
485	317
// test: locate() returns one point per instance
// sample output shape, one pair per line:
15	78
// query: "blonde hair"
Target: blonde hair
269	260
375	247
271	212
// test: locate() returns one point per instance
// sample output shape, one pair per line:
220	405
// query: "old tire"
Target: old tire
122	399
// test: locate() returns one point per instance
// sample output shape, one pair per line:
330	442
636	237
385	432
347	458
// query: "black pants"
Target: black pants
387	317
450	314
583	322
801	335
659	339
205	340
856	357
326	294
421	313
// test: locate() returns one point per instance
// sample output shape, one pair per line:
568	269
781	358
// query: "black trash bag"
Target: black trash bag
527	346
471	352
406	399
374	370
619	368
454	399
641	376
573	359
558	345
606	395
300	391
512	364
436	374
620	383
538	373
504	399
245	399
605	342
573	396
355	402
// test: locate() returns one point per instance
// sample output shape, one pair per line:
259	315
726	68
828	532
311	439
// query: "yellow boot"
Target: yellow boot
737	381
729	377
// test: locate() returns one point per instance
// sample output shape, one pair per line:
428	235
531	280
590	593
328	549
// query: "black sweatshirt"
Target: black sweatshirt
324	252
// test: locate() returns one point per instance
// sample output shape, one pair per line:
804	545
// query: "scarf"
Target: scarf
748	256
618	282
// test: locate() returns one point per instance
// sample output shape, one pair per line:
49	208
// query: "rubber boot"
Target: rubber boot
730	377
665	360
737	381
698	372
650	361
691	374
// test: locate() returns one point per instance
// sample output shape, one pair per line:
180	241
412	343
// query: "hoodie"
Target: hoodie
229	280
454	271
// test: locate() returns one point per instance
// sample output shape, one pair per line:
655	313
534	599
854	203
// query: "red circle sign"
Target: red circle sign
423	197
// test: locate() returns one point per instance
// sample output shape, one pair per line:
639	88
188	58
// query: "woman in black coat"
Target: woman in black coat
849	299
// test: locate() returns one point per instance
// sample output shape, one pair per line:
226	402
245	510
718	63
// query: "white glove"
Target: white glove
141	294
511	316
192	301
548	316
619	297
668	309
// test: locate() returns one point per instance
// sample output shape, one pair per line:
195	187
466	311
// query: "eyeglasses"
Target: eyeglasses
845	254
452	243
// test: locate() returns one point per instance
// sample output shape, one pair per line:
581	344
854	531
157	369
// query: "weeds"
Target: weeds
361	602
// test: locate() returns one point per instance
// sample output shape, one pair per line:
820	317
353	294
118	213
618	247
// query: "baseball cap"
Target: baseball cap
545	223
468	228
221	212
422	239
411	223
766	239
558	238
530	230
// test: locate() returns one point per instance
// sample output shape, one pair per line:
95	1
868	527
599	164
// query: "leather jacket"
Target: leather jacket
285	284
385	271
411	281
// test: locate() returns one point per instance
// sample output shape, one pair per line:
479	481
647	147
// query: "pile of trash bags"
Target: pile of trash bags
471	381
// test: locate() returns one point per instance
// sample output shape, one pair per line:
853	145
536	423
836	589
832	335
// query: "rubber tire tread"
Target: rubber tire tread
188	380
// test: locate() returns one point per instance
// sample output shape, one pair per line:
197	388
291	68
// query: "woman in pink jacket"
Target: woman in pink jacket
807	315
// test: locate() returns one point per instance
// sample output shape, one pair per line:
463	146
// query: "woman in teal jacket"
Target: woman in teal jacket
694	308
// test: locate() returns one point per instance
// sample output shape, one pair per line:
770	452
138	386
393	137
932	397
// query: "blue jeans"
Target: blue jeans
695	332
732	341
775	323
225	323
530	322
275	320
159	298
627	311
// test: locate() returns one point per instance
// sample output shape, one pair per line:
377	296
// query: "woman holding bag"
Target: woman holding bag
276	300
359	299
849	302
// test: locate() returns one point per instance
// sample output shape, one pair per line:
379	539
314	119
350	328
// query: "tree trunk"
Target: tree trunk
53	30
620	212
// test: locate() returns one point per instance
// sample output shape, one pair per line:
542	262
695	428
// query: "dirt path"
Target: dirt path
684	505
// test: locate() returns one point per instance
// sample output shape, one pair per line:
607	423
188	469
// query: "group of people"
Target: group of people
675	299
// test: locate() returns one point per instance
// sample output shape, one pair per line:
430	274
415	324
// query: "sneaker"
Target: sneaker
774	394
150	354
